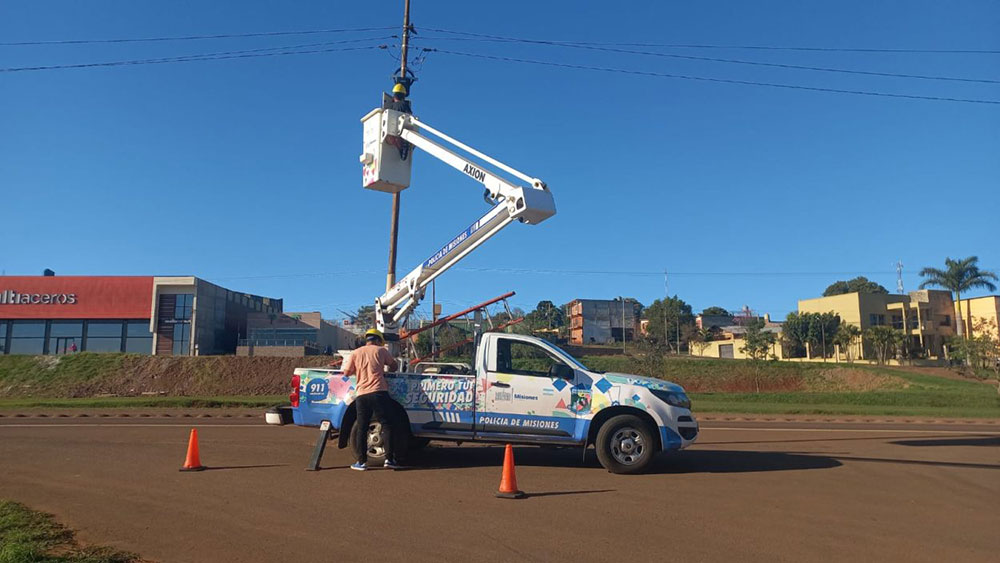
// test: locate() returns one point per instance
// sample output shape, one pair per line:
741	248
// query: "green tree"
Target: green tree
714	310
884	341
698	338
546	315
815	329
667	319
757	342
847	335
859	284
959	276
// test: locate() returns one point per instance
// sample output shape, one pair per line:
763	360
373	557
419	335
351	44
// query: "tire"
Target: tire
376	443
625	444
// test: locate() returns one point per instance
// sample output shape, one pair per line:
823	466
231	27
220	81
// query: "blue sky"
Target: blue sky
245	171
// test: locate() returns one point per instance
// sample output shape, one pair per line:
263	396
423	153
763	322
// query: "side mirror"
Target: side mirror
562	371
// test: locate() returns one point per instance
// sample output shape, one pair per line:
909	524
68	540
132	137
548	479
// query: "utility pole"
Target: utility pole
666	291
677	325
390	278
434	315
623	324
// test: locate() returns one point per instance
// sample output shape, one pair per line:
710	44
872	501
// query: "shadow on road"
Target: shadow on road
738	461
811	440
963	441
688	461
559	493
227	467
921	462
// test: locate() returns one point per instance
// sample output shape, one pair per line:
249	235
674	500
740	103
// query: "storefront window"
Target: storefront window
27	337
104	336
185	303
139	339
3	337
65	337
182	339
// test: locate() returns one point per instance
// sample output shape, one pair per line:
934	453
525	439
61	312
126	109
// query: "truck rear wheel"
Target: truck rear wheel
377	442
625	444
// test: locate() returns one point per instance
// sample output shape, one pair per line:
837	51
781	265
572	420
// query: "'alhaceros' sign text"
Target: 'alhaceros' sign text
11	297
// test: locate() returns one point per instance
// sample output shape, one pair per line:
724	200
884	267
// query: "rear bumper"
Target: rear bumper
279	415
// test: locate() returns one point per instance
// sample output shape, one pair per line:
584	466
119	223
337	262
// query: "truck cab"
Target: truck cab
521	390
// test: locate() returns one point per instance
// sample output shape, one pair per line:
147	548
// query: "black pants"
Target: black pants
384	409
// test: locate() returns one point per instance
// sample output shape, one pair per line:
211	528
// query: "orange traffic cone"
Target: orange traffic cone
508	481
193	463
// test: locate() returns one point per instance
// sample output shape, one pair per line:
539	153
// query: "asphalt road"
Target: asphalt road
779	491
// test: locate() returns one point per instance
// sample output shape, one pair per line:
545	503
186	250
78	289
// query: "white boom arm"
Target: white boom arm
530	205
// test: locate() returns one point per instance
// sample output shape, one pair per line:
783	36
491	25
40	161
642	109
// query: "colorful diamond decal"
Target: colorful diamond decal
559	384
635	397
603	385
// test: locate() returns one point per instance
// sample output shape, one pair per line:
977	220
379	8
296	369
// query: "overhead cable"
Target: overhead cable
193	37
575	45
722	80
748	47
249	53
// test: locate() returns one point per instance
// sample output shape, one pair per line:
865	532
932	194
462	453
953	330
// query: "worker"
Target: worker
369	363
399	101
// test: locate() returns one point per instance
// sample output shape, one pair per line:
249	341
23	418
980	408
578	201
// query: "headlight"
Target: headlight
675	398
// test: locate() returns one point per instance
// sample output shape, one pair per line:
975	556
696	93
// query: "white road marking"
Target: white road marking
884	430
127	425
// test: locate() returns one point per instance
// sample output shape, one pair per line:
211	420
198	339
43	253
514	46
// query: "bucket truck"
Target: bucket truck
521	389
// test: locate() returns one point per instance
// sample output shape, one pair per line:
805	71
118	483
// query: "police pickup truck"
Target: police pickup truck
522	390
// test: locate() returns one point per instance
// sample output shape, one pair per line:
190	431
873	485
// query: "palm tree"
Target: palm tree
961	275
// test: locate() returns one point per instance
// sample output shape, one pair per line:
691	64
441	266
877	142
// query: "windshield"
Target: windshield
567	356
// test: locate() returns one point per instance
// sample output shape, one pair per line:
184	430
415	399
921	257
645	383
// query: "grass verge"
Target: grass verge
27	536
146	402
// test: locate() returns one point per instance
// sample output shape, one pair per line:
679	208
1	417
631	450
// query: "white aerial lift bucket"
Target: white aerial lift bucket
383	169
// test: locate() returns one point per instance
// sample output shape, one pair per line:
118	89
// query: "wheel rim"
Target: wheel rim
628	446
376	441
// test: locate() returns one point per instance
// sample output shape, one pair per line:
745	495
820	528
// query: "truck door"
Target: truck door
528	394
439	405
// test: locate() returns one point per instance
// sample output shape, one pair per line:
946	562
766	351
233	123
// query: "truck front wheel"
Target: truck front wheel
625	444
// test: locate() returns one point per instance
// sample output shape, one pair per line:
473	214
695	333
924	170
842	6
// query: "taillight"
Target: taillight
294	395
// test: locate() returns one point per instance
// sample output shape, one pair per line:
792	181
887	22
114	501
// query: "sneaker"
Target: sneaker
391	464
358	466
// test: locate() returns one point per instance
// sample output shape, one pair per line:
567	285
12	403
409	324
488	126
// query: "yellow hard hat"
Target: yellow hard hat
399	89
374	332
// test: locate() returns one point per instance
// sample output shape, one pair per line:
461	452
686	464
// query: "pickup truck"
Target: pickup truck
522	390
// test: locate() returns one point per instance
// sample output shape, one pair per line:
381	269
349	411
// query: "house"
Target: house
925	317
603	321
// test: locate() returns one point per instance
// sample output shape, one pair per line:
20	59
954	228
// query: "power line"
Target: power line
548	271
722	80
660	273
250	53
749	47
193	37
574	45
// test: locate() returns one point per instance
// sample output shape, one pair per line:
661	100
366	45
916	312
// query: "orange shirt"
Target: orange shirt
368	363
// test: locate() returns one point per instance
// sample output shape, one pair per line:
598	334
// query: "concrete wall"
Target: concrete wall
979	309
711	349
274	351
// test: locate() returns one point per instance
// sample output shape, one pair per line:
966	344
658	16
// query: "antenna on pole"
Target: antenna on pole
899	277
